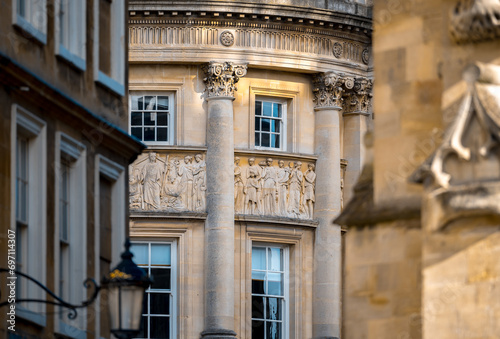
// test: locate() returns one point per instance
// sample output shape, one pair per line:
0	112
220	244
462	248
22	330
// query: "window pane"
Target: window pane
137	132
150	103
265	141
162	119
140	103
273	330
161	278
266	125
277	126
136	119
160	254
162	134
258	258
257	124
258	282
149	119
144	328
275	283
160	327
149	134
162	103
267	109
140	252
257	139
257	329
277	110
135	102
273	309
258	108
275	259
160	303
258	307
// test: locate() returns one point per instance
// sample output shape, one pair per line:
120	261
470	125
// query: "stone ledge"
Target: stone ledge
167	215
276	220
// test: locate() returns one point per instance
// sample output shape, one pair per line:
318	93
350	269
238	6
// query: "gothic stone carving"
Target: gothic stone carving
329	87
266	189
462	177
171	183
475	20
221	78
227	38
358	99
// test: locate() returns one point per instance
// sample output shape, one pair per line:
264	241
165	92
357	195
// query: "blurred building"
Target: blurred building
423	243
253	114
64	154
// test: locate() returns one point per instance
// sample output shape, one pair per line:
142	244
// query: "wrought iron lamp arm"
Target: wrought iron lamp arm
88	283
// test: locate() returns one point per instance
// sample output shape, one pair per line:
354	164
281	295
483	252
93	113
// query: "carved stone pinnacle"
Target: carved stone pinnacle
221	78
328	89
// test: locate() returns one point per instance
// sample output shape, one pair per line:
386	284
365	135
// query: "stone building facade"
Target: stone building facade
253	114
422	245
64	156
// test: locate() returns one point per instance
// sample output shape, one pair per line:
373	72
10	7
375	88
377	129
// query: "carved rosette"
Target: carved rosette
227	38
221	78
358	99
329	88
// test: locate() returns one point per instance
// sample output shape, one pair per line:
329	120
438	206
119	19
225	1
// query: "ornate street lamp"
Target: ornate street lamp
126	285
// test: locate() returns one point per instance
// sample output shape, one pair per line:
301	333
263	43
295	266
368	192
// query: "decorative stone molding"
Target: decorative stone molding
462	177
221	78
274	188
365	56
227	38
475	20
168	182
358	99
328	89
337	50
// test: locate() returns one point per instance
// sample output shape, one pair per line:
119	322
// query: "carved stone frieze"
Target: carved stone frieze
221	78
462	177
337	50
168	182
359	98
329	87
274	188
475	20
365	56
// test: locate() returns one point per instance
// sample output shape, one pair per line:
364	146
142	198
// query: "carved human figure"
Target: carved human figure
185	171
239	197
269	187
252	187
172	188
283	174
200	185
295	185
309	183
135	189
151	176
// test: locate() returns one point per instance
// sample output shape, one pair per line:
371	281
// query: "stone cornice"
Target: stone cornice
221	78
328	89
358	100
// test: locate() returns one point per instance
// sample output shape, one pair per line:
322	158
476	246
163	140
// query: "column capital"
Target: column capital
328	89
358	99
221	78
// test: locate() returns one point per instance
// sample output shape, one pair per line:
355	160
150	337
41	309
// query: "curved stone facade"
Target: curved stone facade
266	103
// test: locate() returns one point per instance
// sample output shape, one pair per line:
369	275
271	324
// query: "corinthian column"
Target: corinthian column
328	90
357	107
221	79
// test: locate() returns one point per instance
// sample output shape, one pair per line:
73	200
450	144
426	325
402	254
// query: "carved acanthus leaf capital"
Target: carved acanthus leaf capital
221	78
359	98
329	87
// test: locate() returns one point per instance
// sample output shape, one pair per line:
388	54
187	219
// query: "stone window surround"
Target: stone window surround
171	114
25	24
33	238
291	125
74	26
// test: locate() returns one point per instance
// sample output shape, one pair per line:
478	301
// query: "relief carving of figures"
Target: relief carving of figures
152	175
200	182
239	197
282	180
295	186
269	188
168	183
252	203
309	184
